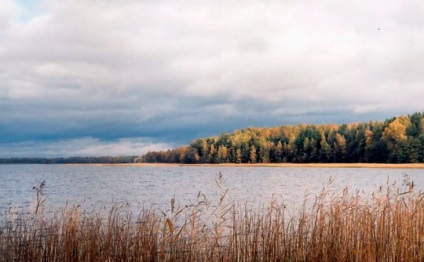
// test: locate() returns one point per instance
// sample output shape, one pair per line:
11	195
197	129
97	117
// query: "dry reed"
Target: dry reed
386	226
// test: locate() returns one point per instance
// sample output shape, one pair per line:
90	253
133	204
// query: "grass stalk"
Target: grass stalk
386	226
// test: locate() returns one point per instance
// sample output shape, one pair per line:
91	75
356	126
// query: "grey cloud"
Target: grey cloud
179	70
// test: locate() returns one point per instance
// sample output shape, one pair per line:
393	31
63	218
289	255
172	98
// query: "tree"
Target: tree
212	155
422	126
369	138
238	155
396	130
415	150
252	154
414	129
314	150
395	136
265	148
192	157
222	154
306	150
290	149
325	152
398	139
183	153
278	153
204	151
245	152
339	148
421	138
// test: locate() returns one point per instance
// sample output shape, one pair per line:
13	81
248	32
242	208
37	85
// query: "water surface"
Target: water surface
93	186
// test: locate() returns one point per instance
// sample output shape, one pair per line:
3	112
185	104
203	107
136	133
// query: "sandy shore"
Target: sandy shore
284	165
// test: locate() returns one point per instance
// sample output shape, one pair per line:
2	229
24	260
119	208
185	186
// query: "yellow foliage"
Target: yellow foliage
404	120
333	127
353	126
266	133
341	140
238	155
397	129
222	153
239	138
369	136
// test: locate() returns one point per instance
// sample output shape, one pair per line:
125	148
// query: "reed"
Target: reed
347	226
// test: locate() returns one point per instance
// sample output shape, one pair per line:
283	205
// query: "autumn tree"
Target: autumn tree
265	148
204	151
278	153
212	154
396	130
369	138
222	154
252	154
339	148
399	139
238	156
395	136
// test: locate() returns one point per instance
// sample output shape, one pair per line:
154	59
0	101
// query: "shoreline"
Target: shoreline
280	165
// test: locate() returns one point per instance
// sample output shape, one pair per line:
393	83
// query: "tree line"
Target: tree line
395	140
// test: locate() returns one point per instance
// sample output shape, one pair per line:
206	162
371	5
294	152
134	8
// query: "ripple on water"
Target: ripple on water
156	186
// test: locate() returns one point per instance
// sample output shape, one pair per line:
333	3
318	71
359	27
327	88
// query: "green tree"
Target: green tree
415	150
305	155
314	151
414	129
325	151
245	152
192	156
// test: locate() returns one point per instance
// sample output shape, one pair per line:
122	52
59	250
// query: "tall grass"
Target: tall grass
385	226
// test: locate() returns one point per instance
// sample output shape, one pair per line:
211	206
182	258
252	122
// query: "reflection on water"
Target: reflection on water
91	186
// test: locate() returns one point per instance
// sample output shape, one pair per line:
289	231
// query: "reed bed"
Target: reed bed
346	226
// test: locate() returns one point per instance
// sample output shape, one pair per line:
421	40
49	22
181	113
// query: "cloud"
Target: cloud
87	146
174	71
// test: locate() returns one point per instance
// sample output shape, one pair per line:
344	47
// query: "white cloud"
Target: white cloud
81	147
8	10
83	65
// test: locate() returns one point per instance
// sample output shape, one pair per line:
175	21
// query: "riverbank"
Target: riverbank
282	165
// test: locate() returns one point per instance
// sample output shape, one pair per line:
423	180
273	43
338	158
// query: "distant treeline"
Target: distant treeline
396	140
70	160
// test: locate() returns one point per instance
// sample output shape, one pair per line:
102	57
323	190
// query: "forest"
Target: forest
395	140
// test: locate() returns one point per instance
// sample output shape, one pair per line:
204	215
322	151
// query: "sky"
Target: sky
102	77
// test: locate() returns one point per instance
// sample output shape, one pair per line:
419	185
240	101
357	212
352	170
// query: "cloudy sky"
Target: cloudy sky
104	77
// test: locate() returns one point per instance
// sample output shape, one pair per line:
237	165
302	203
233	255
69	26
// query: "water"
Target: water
94	186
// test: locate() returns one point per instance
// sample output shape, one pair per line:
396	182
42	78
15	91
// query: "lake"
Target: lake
93	186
